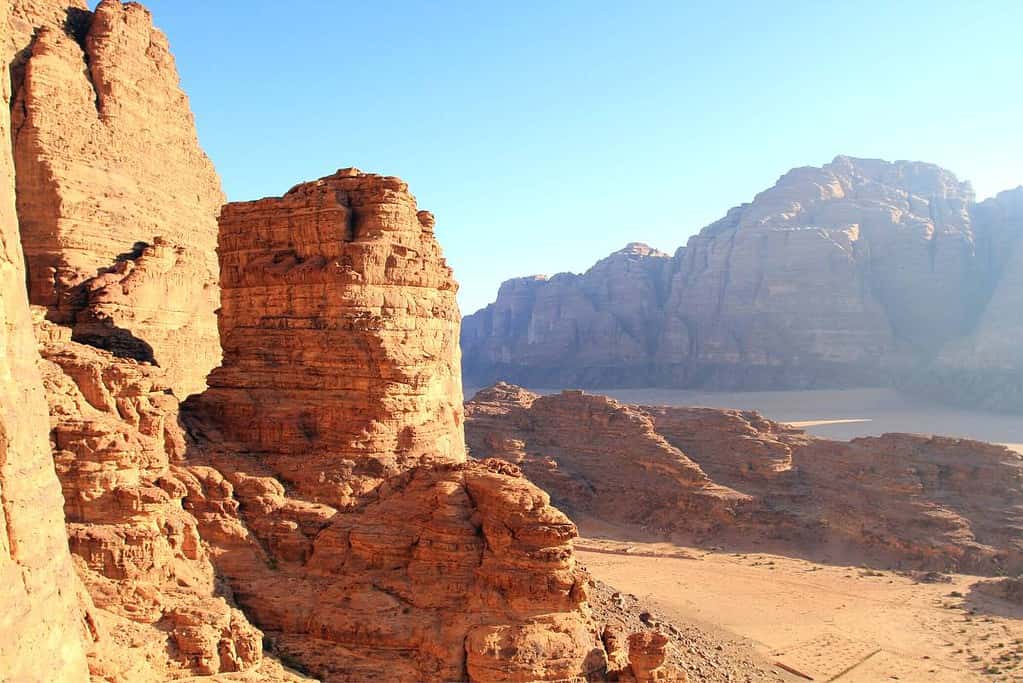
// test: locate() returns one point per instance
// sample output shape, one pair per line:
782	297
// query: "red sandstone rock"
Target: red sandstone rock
574	446
329	473
117	202
899	499
41	619
340	330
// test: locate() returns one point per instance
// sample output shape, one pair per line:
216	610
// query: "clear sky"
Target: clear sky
545	135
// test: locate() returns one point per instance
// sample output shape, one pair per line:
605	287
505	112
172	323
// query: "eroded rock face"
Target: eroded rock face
340	331
985	369
834	277
115	435
117	202
329	472
42	619
106	158
567	444
900	499
598	328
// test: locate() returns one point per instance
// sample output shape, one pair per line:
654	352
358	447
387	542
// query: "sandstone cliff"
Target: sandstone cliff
41	619
116	201
329	472
900	500
105	163
836	276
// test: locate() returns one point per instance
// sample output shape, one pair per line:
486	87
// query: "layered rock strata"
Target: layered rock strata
845	275
898	499
329	474
340	331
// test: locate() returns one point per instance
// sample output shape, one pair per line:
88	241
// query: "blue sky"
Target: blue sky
545	135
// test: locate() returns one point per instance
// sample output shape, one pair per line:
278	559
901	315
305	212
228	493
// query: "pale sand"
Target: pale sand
843	624
806	424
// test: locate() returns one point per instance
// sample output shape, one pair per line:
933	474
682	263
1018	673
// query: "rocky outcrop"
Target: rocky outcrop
340	332
834	277
568	443
117	203
899	499
329	473
42	619
105	157
116	439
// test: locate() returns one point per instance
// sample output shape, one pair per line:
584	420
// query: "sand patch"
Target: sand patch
828	622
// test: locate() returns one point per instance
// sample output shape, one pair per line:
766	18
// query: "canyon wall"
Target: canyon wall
115	209
42	619
734	477
117	201
845	275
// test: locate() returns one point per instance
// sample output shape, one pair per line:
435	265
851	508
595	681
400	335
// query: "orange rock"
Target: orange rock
338	291
341	382
116	200
706	474
41	619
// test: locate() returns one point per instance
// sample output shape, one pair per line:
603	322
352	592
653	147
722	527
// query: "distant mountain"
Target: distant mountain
859	273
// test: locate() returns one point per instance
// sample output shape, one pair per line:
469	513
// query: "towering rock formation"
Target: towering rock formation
601	327
340	331
41	619
330	475
116	200
833	277
898	499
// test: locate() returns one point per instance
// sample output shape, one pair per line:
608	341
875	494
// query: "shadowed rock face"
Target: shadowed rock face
831	278
727	475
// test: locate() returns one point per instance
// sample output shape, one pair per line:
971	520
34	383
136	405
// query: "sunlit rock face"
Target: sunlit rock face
329	474
42	618
703	474
845	275
340	331
116	200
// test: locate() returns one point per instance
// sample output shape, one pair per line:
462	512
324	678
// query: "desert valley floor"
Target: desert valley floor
830	619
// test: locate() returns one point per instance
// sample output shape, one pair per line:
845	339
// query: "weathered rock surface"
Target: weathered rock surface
834	277
106	158
117	203
329	474
340	331
41	619
985	369
898	499
115	438
568	443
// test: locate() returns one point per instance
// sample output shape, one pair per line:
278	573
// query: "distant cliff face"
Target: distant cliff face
832	277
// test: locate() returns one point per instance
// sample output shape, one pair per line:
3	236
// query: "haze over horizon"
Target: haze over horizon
544	138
